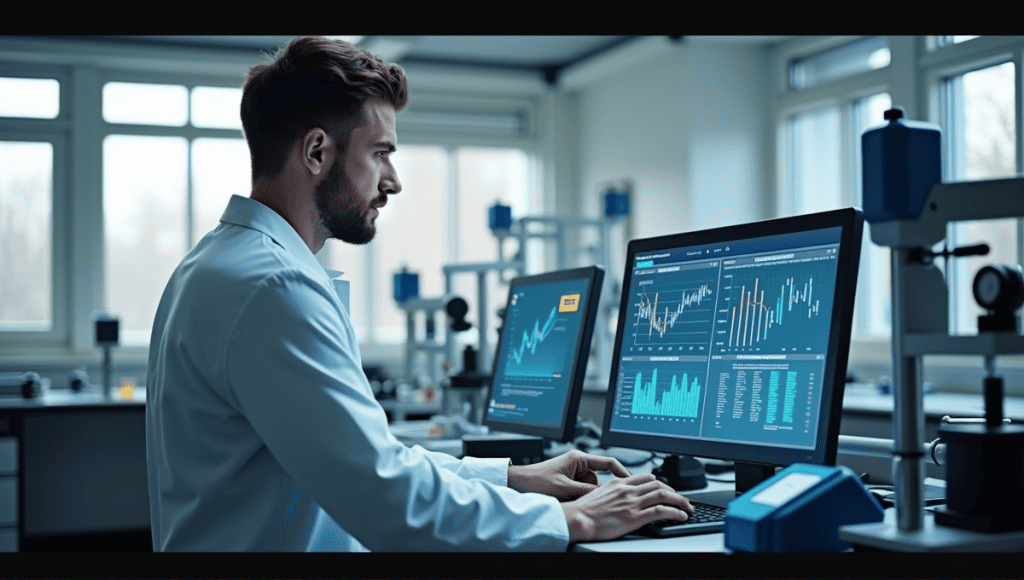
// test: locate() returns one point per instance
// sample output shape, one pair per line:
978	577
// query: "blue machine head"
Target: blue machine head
800	510
902	161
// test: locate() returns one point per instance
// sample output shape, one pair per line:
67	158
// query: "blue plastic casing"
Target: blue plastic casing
407	285
902	161
808	521
499	217
616	204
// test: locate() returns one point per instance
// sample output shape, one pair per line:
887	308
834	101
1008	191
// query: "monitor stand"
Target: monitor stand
748	475
682	472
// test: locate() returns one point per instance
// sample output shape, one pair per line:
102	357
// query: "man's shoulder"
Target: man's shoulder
243	254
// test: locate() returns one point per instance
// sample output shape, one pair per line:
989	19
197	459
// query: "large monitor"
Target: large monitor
732	343
542	353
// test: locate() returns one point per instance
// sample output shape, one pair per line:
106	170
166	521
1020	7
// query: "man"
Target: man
262	431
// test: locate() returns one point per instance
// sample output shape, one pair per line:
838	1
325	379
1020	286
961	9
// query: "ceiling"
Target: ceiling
546	55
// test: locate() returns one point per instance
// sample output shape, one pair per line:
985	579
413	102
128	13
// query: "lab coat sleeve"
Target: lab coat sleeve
488	469
294	373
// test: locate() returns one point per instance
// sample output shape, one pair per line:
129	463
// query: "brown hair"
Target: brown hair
312	82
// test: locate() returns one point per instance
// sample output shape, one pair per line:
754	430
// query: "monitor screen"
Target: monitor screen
542	353
732	343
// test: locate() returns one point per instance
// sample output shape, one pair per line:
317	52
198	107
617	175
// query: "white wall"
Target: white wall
688	128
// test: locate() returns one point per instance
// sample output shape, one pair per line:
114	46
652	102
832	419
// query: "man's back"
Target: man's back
258	415
206	461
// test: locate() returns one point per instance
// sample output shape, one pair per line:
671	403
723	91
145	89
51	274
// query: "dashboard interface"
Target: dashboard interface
728	342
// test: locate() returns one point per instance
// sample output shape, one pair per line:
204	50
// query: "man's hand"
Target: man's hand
569	475
621	506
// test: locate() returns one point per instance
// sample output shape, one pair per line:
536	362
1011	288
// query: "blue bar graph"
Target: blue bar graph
682	399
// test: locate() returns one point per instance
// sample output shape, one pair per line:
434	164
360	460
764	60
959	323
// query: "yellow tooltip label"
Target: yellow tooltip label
569	303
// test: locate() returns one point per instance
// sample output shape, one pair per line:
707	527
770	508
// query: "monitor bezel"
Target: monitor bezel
566	429
851	221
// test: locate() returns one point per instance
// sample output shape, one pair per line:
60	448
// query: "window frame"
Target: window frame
913	80
82	67
56	132
188	132
370	343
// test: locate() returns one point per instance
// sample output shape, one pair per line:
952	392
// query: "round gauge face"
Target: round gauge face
988	287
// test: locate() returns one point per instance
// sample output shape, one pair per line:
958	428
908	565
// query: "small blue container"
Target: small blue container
500	217
407	285
616	204
902	161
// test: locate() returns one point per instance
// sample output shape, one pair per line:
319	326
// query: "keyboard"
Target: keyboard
706	519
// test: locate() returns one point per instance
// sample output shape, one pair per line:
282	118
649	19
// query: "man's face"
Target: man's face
360	178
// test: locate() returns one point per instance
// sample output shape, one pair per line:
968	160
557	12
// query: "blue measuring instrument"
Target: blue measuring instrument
800	509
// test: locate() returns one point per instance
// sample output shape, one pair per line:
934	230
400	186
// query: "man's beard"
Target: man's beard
341	216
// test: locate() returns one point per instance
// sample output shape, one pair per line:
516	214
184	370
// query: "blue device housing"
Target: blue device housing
616	204
902	161
407	285
808	522
499	217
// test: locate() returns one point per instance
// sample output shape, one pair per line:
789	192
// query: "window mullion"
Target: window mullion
189	206
453	204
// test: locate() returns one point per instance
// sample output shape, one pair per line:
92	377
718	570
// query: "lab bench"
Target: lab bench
73	473
867	412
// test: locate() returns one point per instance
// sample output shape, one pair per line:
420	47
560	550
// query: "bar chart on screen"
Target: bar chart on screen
779	306
681	398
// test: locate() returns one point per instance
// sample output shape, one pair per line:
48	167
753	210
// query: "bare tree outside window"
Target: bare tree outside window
26	194
985	148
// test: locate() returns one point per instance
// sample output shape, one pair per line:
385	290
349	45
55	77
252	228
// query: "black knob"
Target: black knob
457	309
894	113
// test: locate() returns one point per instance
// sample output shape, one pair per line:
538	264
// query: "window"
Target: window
163	192
874	293
144	183
220	168
940	41
843	61
30	98
816	184
439	218
145	104
817	176
26	208
980	127
972	91
216	107
31	160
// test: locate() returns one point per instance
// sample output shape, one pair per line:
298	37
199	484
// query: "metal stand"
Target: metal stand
557	229
108	373
920	327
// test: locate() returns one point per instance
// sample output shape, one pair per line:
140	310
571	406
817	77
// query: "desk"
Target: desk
73	473
868	413
695	543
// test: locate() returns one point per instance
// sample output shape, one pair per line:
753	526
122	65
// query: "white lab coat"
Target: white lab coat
263	434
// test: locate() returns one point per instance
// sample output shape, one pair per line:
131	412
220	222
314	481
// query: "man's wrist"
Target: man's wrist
515	476
575	521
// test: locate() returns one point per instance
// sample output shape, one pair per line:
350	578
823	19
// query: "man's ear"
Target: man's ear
317	146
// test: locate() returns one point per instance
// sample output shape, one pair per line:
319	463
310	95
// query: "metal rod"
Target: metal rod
483	358
107	372
908	416
871	446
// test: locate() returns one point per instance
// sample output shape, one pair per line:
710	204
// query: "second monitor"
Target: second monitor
732	343
542	353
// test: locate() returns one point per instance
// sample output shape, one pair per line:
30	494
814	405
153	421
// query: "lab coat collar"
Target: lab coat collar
249	213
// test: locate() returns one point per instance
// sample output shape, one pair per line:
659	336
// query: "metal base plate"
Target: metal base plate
887	536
